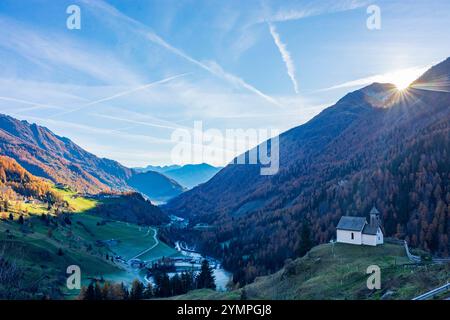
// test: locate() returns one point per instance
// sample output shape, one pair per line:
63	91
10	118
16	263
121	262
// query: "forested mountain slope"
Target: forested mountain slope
47	155
376	146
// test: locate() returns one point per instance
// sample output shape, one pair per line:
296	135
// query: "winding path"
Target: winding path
155	237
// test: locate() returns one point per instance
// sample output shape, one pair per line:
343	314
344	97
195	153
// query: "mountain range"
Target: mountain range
45	154
189	175
192	175
377	146
160	169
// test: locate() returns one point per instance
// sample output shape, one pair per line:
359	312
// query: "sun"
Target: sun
402	84
403	78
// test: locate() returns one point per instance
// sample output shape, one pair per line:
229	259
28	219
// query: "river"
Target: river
222	276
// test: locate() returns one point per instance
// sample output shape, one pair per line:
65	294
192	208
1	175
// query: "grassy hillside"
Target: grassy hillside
43	252
41	246
335	272
76	204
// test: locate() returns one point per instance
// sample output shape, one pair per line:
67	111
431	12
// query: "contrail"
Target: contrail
34	105
285	55
120	94
143	123
212	68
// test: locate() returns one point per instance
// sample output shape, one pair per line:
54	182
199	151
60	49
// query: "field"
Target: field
45	247
77	204
129	240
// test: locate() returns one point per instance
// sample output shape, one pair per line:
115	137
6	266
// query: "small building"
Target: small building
356	230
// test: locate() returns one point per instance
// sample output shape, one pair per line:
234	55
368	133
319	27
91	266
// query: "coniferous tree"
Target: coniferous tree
243	294
162	282
89	293
137	290
187	281
148	291
97	291
125	291
176	285
305	239
205	279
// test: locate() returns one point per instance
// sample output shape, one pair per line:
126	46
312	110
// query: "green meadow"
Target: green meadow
44	248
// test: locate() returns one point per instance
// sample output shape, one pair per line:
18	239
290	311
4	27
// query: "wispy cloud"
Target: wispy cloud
212	67
313	8
285	55
50	72
55	55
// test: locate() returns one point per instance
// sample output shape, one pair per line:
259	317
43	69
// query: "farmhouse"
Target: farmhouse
356	230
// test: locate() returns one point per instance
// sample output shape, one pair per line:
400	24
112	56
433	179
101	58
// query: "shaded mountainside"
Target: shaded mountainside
130	207
155	185
191	175
376	146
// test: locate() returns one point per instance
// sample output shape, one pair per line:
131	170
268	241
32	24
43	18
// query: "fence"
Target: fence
434	292
414	258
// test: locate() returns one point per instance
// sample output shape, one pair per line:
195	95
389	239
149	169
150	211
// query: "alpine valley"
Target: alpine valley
251	236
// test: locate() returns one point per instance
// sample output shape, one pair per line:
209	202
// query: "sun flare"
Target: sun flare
402	84
403	78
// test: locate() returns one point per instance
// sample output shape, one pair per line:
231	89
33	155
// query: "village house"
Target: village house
356	230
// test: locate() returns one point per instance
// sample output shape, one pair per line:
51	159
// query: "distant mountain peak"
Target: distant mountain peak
191	175
375	95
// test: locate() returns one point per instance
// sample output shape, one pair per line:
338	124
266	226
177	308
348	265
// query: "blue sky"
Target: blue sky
138	69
